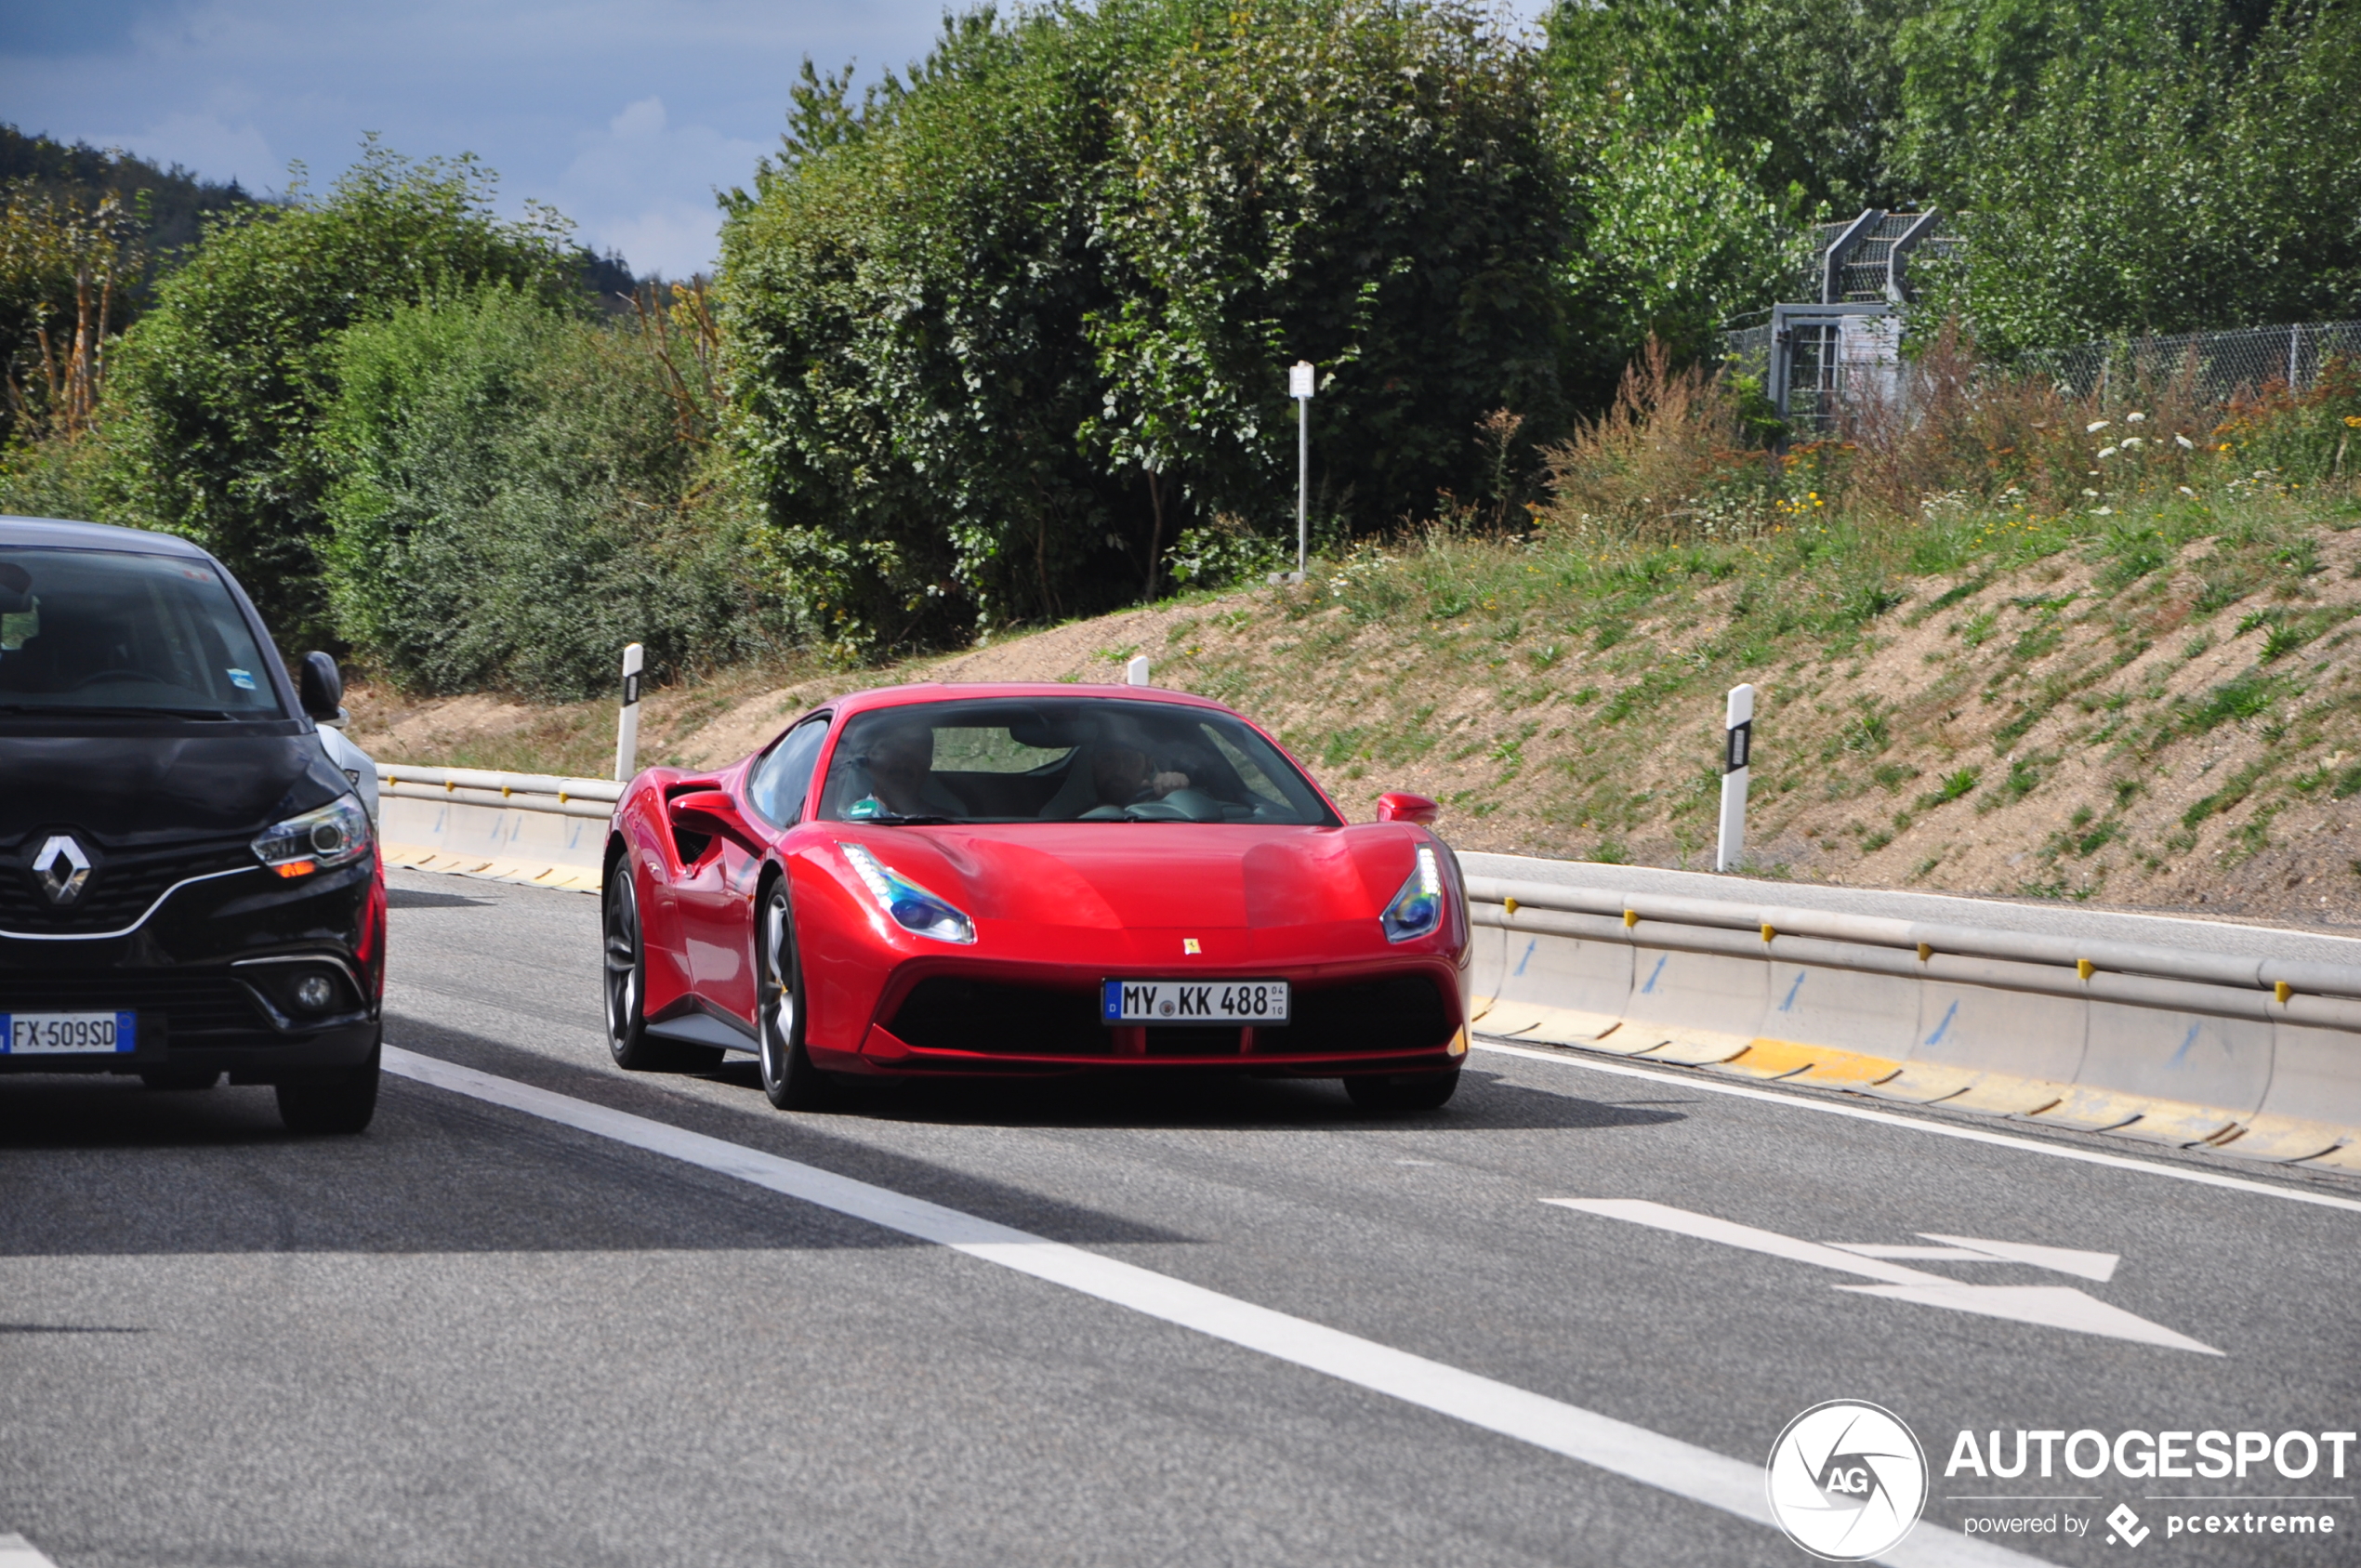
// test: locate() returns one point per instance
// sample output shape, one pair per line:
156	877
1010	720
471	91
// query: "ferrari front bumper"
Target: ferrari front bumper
1404	1015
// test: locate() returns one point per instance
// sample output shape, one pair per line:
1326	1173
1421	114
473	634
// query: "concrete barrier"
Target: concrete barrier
2255	1057
534	828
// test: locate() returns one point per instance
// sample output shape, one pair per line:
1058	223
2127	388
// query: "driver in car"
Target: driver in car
1126	777
901	768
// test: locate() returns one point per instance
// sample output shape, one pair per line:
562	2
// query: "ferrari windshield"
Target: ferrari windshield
1080	759
117	631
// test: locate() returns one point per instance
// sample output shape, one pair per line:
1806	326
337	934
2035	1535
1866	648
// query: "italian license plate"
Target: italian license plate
70	1034
1195	1001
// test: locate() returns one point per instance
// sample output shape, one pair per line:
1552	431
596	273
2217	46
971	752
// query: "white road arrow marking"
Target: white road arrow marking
2097	1266
2052	1306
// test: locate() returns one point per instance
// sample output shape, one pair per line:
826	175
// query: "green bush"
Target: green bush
511	502
220	388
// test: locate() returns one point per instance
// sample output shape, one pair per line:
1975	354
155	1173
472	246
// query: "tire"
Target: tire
788	1078
1403	1091
338	1102
180	1079
625	990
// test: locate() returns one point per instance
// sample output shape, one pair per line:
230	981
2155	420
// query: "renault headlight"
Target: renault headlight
907	905
1418	908
338	833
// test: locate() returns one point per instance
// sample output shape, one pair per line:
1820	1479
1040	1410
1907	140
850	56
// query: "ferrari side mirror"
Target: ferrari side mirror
1398	807
712	815
319	686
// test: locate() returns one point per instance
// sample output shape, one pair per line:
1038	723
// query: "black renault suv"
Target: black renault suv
188	886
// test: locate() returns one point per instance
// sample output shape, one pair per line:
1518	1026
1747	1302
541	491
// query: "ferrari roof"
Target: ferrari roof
950	690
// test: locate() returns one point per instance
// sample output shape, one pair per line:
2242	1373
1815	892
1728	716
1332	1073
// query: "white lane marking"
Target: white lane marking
1650	1458
2052	1306
1941	1129
18	1552
2097	1266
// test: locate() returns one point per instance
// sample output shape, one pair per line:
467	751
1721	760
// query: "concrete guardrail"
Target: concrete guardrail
2260	1057
515	827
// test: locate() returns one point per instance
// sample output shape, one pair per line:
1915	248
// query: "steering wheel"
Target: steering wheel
97	675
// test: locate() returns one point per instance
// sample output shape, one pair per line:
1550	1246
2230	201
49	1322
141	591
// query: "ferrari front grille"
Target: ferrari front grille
1400	1013
944	1013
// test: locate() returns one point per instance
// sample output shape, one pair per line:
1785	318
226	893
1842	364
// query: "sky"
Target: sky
626	117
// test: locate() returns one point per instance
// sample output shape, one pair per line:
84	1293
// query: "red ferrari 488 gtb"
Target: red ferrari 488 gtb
992	879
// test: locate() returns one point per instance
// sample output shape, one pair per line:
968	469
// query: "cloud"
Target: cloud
209	146
644	186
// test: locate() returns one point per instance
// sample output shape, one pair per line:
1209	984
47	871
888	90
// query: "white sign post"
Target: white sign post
1300	380
626	726
1136	672
1737	743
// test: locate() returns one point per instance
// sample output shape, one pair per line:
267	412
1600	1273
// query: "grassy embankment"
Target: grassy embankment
2153	708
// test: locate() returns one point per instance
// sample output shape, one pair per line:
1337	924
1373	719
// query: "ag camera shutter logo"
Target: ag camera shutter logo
1847	1480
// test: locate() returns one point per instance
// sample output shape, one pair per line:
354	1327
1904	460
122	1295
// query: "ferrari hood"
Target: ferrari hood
1142	874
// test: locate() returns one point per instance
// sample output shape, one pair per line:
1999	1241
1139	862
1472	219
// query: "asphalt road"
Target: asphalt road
482	1333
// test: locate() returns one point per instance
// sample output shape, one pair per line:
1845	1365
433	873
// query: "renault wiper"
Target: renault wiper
111	710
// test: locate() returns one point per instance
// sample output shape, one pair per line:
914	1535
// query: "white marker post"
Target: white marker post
626	726
1300	380
1737	743
1136	672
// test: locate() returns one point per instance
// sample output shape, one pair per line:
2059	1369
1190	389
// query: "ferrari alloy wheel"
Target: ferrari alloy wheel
1403	1091
788	1077
626	976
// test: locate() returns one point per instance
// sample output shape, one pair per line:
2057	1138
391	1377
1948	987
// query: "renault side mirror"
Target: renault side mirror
319	685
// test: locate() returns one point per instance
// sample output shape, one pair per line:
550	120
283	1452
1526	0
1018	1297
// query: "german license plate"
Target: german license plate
70	1034
1195	1001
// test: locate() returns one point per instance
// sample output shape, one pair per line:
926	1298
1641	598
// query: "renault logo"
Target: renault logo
62	868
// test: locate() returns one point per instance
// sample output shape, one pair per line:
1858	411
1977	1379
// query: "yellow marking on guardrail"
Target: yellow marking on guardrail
2282	991
2084	968
1926	951
1800	1063
1768	933
1630	919
1508	905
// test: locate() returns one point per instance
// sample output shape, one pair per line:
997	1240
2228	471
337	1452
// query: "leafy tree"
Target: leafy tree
1804	95
1000	332
1372	189
223	385
1681	236
2164	167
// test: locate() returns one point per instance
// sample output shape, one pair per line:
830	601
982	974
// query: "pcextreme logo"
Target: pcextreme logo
1846	1480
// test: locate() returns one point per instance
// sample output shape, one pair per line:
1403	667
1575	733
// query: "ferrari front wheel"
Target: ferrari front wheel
788	1078
626	976
1403	1091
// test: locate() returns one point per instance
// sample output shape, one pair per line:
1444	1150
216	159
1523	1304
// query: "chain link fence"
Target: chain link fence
2220	363
1809	366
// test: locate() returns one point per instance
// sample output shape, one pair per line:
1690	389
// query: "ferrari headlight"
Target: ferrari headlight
1418	908
338	833
905	903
